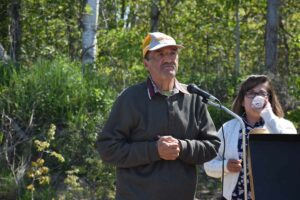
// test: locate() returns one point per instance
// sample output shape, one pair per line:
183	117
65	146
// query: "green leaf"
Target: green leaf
88	9
1	137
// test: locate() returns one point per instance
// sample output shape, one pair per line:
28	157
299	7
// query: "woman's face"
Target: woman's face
259	90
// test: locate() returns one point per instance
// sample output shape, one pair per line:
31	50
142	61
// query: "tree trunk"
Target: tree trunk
132	17
271	35
89	39
123	8
154	16
15	30
237	37
286	62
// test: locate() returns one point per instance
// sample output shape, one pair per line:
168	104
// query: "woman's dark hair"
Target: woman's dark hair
251	82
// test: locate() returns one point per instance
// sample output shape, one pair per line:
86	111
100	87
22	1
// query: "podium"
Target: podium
274	166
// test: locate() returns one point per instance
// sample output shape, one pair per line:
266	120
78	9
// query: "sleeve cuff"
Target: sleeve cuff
267	114
183	146
154	155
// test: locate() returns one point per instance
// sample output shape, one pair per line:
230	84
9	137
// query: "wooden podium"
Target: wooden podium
274	166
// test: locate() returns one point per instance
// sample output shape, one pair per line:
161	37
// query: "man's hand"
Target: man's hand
168	148
234	165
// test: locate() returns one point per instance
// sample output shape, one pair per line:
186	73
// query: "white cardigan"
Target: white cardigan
213	168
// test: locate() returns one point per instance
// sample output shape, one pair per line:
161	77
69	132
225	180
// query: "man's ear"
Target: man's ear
146	64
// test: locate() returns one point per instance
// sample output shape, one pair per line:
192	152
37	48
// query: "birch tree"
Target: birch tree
89	39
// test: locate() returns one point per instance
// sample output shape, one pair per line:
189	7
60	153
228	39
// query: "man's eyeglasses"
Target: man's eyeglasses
252	94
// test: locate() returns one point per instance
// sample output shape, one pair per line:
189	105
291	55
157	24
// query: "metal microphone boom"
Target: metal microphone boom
208	98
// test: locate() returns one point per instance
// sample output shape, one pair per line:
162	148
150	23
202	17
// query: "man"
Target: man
157	132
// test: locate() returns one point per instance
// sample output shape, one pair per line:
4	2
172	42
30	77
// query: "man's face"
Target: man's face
162	64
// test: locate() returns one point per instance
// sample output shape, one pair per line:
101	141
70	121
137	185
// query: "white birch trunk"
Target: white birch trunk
89	39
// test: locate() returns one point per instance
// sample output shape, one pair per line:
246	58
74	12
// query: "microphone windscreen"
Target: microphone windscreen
191	88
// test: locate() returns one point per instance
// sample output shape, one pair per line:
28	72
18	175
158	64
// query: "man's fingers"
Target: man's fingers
170	156
168	138
172	145
168	151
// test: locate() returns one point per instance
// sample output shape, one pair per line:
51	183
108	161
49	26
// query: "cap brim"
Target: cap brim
165	45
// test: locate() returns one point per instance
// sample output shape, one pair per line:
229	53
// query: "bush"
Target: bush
8	188
56	92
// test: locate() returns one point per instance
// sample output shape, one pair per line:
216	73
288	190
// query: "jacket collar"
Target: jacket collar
152	89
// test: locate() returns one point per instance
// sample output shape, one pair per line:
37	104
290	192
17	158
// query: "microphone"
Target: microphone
194	89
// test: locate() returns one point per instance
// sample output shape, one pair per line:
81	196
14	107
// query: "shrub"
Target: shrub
56	92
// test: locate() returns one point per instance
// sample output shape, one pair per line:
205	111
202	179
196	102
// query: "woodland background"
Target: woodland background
62	64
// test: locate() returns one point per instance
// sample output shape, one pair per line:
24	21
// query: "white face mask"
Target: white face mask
258	102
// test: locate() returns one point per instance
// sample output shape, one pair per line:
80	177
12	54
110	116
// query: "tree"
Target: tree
154	16
237	37
90	24
272	35
15	30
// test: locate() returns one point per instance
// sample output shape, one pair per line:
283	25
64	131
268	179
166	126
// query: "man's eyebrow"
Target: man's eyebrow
158	50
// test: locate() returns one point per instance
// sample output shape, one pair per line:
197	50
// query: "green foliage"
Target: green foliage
51	28
294	85
88	9
294	91
1	137
219	117
8	187
294	88
294	116
98	183
123	59
4	22
41	90
45	193
6	72
38	171
56	92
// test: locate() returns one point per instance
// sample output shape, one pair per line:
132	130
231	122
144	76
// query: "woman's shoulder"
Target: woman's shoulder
231	123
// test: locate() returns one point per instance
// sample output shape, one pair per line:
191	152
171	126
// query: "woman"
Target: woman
268	116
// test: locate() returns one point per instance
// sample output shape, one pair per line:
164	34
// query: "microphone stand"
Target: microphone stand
205	100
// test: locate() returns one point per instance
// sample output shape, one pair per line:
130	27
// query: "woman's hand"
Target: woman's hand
234	165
